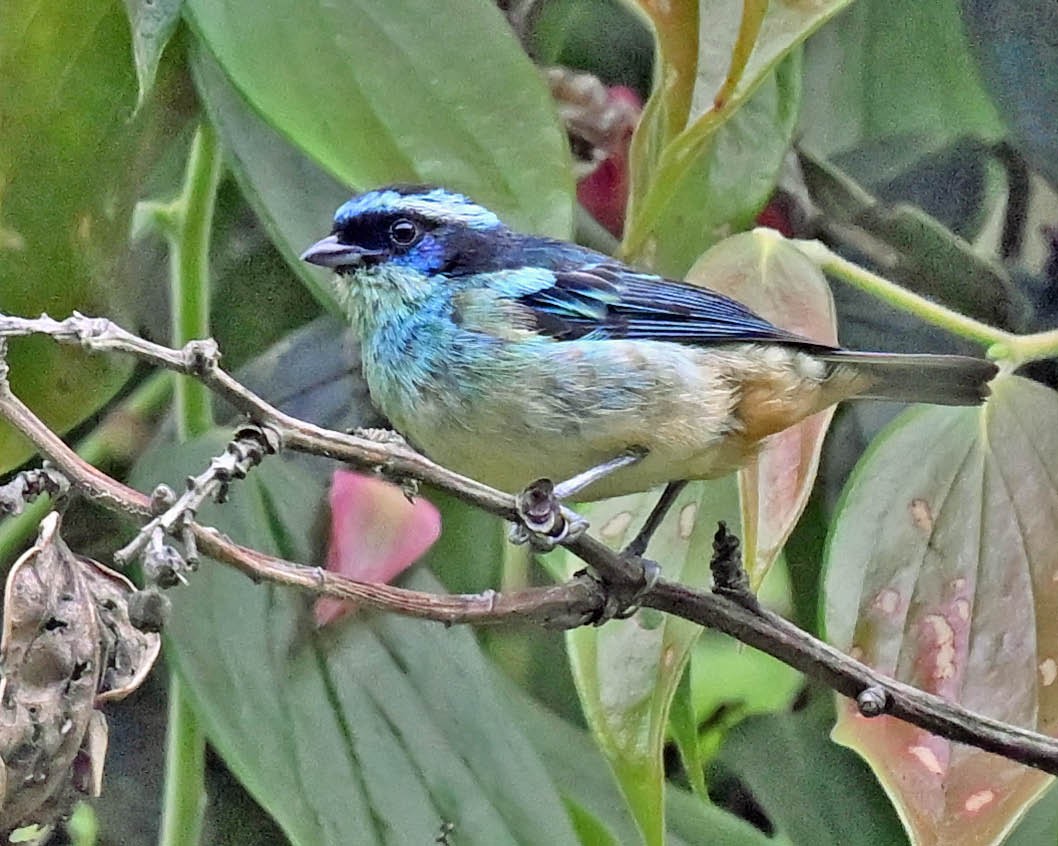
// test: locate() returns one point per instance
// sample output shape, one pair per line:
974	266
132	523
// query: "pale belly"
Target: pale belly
523	422
496	463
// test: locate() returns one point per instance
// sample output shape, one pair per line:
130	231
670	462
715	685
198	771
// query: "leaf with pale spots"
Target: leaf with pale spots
627	671
776	280
942	571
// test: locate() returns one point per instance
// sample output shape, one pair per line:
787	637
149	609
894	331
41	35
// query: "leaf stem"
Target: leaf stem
185	759
189	285
1006	347
189	271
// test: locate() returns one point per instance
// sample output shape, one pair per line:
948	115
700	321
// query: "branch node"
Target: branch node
201	357
873	701
162	499
163	565
26	486
729	577
380	436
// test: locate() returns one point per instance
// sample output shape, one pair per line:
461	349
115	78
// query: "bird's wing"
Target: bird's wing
609	300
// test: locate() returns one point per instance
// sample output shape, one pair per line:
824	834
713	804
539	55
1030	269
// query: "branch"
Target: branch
574	603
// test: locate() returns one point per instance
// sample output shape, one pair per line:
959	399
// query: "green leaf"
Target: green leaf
628	670
152	22
683	727
67	187
377	91
919	251
893	67
940	572
292	196
813	791
585	783
716	184
377	730
772	277
682	180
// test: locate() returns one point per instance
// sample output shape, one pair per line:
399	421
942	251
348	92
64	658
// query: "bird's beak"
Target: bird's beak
330	252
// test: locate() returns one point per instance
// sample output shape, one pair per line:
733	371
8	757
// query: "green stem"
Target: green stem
185	759
1006	347
903	299
189	284
189	273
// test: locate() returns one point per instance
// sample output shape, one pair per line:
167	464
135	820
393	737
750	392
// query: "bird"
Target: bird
510	358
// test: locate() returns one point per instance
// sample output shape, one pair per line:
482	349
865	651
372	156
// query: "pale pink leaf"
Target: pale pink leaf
376	533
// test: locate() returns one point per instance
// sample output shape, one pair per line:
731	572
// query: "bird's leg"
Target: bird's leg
638	545
543	521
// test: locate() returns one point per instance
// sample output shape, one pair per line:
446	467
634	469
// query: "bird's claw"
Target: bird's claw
623	604
624	600
543	522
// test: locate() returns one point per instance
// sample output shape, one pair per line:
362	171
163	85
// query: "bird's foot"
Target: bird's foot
543	521
624	600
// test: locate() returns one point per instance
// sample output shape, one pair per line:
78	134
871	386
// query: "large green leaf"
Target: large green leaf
67	186
723	179
893	67
378	91
940	571
811	790
291	195
628	670
586	785
377	730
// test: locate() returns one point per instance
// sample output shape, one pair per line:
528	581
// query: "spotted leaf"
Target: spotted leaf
942	571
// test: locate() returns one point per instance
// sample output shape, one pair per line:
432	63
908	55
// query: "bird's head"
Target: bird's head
417	228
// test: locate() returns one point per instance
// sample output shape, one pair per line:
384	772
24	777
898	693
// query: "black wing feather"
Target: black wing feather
611	301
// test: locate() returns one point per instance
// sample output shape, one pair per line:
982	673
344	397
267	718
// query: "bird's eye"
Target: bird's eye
403	232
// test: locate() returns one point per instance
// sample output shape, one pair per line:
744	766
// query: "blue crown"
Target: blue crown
434	204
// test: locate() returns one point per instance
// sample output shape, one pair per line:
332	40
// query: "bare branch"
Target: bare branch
574	603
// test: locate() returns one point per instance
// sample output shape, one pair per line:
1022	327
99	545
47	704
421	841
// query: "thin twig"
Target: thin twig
781	639
573	603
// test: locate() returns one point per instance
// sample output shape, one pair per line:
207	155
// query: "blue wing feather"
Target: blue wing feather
610	300
572	292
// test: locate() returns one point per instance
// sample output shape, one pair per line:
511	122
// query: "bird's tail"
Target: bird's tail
937	379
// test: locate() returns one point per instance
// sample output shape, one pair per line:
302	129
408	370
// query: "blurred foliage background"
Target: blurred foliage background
915	138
